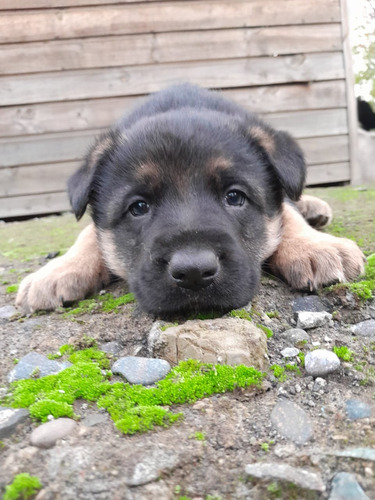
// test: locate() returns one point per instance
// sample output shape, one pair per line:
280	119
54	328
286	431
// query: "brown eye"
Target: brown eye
139	208
235	198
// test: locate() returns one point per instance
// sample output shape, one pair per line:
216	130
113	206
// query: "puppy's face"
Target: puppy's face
186	207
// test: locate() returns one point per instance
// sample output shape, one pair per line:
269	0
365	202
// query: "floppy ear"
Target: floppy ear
285	156
80	183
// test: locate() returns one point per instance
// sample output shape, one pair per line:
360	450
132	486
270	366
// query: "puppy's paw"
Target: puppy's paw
315	260
61	281
314	210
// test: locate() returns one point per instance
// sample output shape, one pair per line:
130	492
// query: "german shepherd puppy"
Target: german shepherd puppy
189	195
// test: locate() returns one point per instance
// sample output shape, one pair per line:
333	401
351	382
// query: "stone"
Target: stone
311	303
300	477
150	464
364	328
356	409
95	419
296	336
9	419
292	422
139	370
38	364
111	348
231	341
46	435
346	487
289	352
307	319
321	362
6	313
360	453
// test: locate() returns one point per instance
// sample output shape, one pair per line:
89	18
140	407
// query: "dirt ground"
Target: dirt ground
98	462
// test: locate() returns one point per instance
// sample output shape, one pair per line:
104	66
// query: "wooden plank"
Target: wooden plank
35	204
52	24
167	47
310	123
16	181
322	150
71	146
52	4
51	148
135	80
328	174
100	113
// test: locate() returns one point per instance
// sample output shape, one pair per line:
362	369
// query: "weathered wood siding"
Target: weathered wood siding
68	68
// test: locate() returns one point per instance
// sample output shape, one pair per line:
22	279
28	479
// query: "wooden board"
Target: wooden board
34	204
328	174
50	4
47	178
167	47
52	24
135	80
100	113
323	150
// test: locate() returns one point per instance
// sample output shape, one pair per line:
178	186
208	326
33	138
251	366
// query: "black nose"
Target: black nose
194	268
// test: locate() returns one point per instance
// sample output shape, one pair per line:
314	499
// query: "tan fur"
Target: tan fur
263	137
103	143
316	211
308	259
73	276
148	173
274	232
110	254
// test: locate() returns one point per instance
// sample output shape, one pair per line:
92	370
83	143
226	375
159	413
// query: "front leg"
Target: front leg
73	276
309	259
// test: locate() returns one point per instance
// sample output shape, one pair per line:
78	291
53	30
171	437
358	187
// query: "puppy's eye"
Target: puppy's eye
235	198
139	208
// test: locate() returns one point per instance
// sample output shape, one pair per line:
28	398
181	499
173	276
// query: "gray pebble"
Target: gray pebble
296	335
111	347
301	477
311	303
289	352
9	419
321	362
149	465
292	422
36	363
46	435
307	319
345	487
356	409
95	419
145	371
365	328
6	313
361	453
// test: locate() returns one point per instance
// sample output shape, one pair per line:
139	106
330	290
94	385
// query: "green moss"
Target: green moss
266	445
100	303
134	408
301	356
292	368
344	353
198	435
12	289
167	325
23	487
266	330
273	314
241	313
279	372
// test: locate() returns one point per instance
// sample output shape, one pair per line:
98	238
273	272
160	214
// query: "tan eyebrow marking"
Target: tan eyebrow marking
264	138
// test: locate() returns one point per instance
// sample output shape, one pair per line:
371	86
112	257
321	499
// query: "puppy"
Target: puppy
189	195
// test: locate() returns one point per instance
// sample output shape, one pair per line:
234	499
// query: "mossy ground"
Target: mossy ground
22	487
134	408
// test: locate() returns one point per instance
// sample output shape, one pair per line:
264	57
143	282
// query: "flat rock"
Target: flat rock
139	370
6	313
111	347
311	303
361	453
364	328
296	335
35	362
231	341
283	472
346	487
289	352
307	319
46	435
356	409
95	419
321	362
150	464
292	422
9	419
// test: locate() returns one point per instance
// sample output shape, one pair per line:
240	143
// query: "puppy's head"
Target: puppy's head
187	205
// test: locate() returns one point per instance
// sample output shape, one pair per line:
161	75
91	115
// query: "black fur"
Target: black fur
195	147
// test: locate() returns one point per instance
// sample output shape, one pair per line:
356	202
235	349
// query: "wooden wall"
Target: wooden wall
71	67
